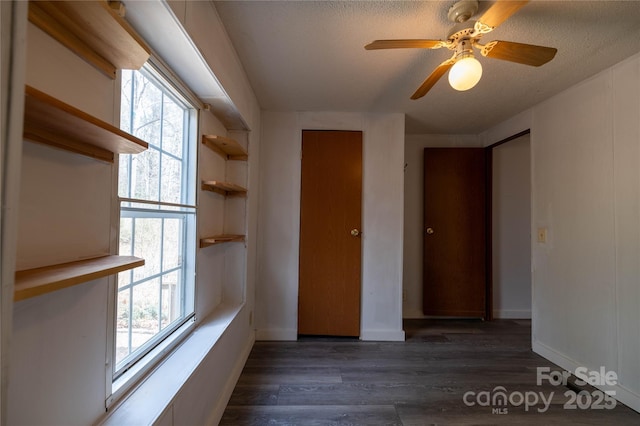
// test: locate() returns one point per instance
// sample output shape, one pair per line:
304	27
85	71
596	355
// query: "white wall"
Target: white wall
279	221
414	212
211	260
58	345
13	56
586	192
59	340
511	229
203	23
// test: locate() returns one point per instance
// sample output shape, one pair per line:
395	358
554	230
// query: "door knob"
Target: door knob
429	231
355	232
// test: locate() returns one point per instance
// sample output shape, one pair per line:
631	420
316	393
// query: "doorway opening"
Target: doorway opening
498	256
510	227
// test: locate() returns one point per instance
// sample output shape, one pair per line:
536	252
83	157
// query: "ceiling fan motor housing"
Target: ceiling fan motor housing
461	31
462	11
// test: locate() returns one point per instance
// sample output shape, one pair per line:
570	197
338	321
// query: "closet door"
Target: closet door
330	224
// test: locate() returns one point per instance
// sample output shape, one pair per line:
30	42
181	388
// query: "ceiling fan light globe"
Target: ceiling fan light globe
465	73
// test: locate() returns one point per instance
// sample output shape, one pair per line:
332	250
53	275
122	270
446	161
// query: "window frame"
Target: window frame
120	381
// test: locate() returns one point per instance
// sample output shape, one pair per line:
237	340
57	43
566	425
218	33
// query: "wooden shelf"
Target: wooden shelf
94	30
224	188
38	281
50	121
219	239
228	148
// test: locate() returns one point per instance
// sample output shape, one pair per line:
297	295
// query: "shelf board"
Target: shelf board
228	148
224	188
35	282
94	30
219	239
50	121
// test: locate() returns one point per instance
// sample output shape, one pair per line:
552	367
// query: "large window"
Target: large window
157	217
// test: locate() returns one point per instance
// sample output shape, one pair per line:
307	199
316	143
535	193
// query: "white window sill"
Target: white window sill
146	403
122	385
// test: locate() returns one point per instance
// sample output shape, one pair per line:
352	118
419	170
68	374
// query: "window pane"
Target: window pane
171	180
125	100
171	306
126	234
126	247
123	325
148	240
172	127
146	110
145	179
137	321
146	308
123	176
172	243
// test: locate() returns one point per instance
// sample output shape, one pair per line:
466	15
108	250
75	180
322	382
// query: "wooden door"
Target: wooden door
330	211
454	232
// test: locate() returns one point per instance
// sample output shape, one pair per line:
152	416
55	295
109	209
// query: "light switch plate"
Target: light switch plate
542	235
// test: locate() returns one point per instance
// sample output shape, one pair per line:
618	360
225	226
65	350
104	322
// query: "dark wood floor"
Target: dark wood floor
334	381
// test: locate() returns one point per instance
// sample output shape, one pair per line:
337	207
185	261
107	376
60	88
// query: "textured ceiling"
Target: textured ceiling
309	56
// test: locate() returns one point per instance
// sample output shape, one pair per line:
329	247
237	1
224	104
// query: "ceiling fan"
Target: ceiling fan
465	70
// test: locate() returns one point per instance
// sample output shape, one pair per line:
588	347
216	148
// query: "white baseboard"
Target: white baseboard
232	380
291	335
413	314
512	314
626	396
382	335
277	334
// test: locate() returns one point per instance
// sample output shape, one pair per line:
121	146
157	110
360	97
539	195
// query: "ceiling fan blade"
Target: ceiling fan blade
521	53
433	78
407	43
499	12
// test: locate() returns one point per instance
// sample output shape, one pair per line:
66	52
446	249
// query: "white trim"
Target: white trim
156	203
382	335
367	335
137	371
622	394
114	244
232	380
150	400
512	314
174	81
286	334
13	51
